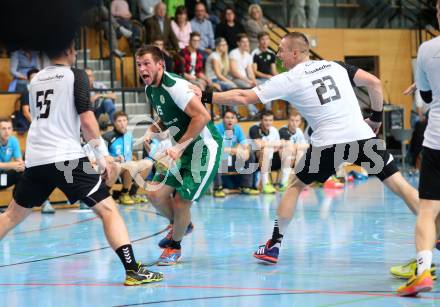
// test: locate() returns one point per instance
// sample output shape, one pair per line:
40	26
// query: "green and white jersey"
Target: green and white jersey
199	161
169	100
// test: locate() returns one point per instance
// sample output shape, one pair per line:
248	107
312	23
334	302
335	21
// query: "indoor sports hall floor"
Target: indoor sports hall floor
336	252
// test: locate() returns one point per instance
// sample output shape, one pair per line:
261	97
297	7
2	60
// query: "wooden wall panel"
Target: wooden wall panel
7	103
361	42
5	76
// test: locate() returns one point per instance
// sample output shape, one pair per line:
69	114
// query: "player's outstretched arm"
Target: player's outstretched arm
235	97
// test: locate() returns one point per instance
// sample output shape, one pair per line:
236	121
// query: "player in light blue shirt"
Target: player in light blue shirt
11	161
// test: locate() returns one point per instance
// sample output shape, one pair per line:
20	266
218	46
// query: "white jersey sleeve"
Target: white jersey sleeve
277	87
180	92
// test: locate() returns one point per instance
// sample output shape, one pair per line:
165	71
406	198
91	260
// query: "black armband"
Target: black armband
376	116
426	96
207	96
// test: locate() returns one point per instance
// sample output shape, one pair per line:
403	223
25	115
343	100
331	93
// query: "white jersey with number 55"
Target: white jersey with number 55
57	95
322	92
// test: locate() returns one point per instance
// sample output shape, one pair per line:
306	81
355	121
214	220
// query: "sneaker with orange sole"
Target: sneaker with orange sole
333	183
417	284
170	256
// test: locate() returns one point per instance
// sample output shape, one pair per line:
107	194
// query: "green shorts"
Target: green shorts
194	174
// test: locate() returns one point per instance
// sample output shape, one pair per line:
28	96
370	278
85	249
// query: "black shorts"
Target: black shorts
429	184
319	163
76	178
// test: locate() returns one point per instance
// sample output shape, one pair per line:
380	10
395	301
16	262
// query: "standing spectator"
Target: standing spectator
202	25
181	26
264	62
217	65
103	102
121	12
267	140
120	147
169	61
235	147
160	24
241	67
298	14
229	28
292	137
255	24
98	16
21	62
189	63
146	8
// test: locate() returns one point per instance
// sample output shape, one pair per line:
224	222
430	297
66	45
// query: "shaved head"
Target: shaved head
297	40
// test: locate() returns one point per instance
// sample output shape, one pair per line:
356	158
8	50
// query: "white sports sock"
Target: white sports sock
264	179
424	260
285	175
283	224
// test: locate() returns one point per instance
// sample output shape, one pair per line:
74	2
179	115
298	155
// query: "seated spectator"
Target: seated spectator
20	63
121	12
160	25
235	149
189	63
217	65
169	61
264	62
267	142
292	141
103	102
120	147
264	59
181	26
201	24
255	24
241	68
229	28
146	8
11	161
191	7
